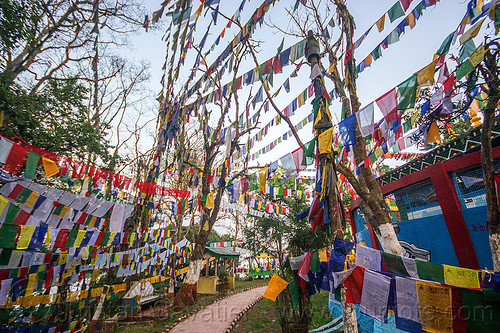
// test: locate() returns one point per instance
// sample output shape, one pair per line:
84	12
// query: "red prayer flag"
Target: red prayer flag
388	103
15	159
406	4
61	239
15	192
354	285
21	218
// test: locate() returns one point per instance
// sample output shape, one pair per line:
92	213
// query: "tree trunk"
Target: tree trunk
493	218
187	293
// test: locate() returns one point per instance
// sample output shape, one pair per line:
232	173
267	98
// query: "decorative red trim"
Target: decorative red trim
373	237
452	213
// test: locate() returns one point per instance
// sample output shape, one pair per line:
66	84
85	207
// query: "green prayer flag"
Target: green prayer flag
466	50
58	210
5	256
394	264
70	242
105	239
377	52
14	272
315	265
31	165
294	288
308	154
8	236
396	11
24	195
445	46
11	215
481	315
270	76
373	158
430	271
407	126
181	15
408	93
464	69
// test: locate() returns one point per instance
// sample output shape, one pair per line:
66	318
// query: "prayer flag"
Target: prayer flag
461	277
375	295
347	130
388	104
275	287
365	120
406	311
31	165
434	303
368	258
50	167
395	12
380	23
425	76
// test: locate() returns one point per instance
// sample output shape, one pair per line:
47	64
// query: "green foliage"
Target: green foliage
55	119
17	21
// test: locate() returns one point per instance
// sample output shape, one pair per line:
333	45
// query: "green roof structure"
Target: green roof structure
222	252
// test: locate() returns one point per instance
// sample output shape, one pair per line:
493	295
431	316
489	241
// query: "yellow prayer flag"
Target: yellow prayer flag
378	152
325	141
48	238
111	238
275	287
63	257
477	56
31	284
50	167
380	23
1	117
95	275
322	255
206	227
32	199
210	201
433	135
300	100
472	32
63	211
25	236
79	237
411	20
434	305
262	179
368	60
461	277
425	76
3	203
331	69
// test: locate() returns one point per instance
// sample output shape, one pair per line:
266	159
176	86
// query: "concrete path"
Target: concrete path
216	317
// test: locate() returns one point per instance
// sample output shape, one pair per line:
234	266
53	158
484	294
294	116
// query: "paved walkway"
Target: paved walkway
216	317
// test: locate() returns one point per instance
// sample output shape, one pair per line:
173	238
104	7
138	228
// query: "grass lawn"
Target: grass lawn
161	324
263	317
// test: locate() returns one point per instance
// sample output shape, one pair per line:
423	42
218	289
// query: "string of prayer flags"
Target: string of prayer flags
275	287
